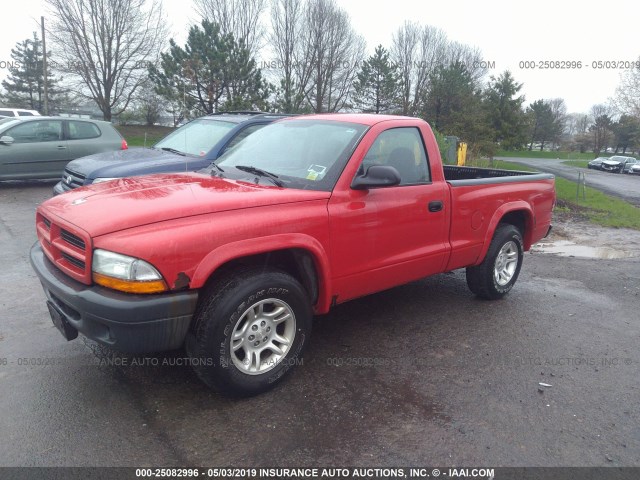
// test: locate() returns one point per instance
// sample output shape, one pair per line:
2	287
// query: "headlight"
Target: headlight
104	179
124	273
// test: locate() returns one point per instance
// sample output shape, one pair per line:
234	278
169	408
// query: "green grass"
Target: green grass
577	163
135	134
543	154
597	207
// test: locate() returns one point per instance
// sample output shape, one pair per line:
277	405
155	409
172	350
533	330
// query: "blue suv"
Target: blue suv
189	148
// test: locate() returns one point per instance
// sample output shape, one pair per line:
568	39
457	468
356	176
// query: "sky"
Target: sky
507	32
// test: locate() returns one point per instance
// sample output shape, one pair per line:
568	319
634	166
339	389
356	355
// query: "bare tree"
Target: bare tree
627	98
285	39
577	123
330	54
150	105
432	51
559	118
403	53
470	57
106	46
417	50
241	18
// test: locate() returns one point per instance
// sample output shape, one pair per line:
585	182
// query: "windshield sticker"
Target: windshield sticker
316	172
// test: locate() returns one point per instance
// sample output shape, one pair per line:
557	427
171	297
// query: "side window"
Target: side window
403	149
38	131
82	130
25	114
243	134
6	113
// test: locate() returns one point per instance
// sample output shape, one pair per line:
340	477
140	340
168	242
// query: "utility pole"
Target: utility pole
44	69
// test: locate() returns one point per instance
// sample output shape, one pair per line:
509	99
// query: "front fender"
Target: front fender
255	246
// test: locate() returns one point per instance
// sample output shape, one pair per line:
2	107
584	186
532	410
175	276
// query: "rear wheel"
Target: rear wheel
498	272
250	329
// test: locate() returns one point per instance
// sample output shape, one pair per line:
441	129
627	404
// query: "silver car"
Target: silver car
40	147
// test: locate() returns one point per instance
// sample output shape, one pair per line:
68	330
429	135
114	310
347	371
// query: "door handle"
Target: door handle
436	206
61	147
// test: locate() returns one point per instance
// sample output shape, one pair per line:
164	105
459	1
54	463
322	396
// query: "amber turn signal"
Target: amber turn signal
129	286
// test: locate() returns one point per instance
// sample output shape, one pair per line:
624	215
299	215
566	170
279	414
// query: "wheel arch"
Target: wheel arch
520	215
301	256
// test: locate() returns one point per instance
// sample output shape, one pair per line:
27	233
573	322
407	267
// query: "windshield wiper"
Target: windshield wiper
216	166
173	150
263	173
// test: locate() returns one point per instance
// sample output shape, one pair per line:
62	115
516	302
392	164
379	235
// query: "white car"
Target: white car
634	169
18	112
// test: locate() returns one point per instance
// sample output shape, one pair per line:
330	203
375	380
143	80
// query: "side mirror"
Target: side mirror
377	176
6	140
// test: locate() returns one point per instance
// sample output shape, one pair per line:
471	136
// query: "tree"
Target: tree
211	73
377	86
601	128
577	123
504	111
240	18
453	106
286	18
329	53
627	133
417	51
106	46
546	121
558	119
149	105
627	97
25	83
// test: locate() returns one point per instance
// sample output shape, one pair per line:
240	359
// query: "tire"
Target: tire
269	307
482	280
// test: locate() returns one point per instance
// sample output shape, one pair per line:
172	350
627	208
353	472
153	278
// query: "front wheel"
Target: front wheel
498	272
250	329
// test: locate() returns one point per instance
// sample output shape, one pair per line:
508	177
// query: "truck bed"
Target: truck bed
458	176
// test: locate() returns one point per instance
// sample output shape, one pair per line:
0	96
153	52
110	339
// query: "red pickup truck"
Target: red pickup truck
309	212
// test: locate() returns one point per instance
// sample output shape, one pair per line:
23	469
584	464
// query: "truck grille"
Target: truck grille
74	240
72	260
68	250
71	179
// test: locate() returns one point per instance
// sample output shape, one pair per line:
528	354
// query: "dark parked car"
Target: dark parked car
597	163
189	148
40	147
618	164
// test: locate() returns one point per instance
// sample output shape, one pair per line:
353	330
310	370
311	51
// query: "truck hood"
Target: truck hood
131	202
134	161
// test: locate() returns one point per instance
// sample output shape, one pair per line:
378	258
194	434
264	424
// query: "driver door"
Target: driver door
387	236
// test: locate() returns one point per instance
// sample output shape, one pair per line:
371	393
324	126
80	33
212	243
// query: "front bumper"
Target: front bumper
58	189
125	322
611	168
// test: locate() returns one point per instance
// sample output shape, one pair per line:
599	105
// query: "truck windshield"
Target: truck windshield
196	137
307	154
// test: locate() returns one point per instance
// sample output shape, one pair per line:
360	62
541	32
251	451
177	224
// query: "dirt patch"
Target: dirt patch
574	237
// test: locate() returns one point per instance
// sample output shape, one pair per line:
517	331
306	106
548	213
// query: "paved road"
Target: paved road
623	186
427	375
